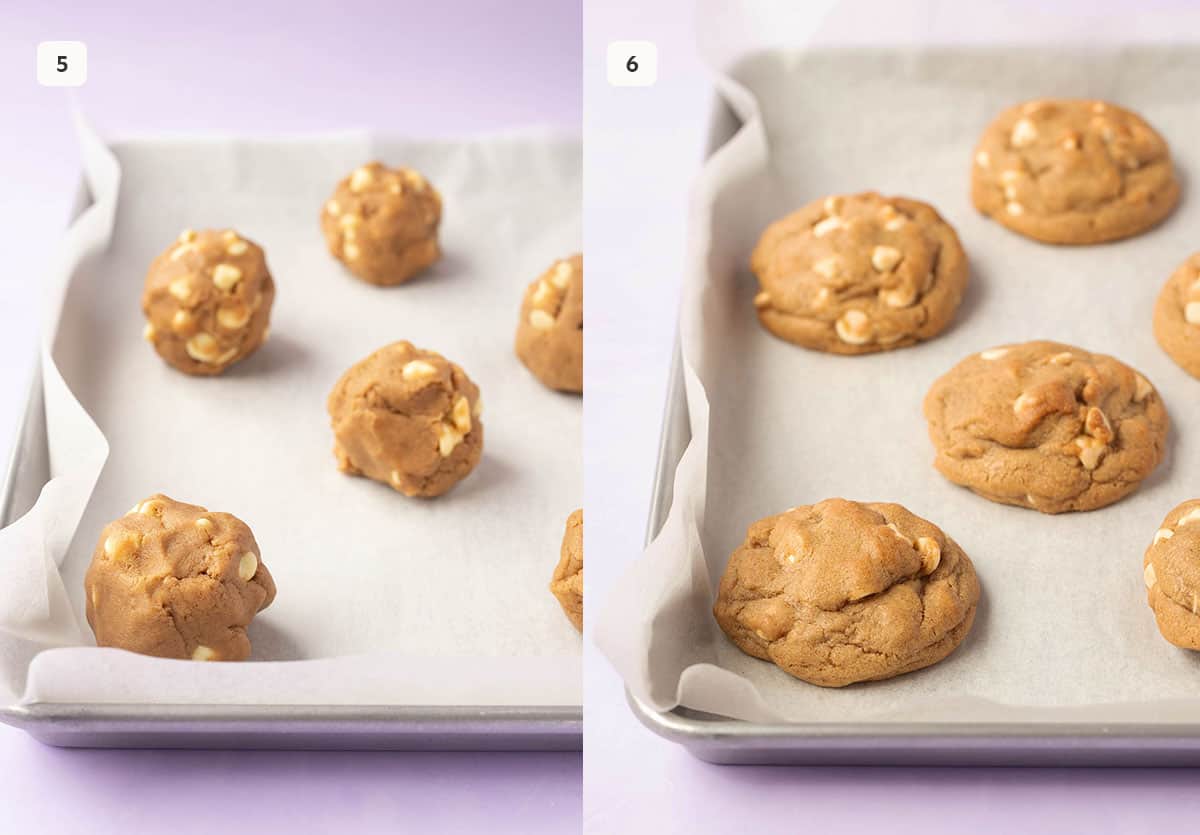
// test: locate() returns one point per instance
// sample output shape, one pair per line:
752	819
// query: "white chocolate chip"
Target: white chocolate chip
1091	451
1192	515
561	276
203	653
821	298
181	320
541	320
414	179
1010	175
151	507
1148	575
187	236
351	251
1010	192
884	258
202	348
854	327
418	370
1096	424
993	353
895	223
833	204
121	546
542	294
448	438
248	566
181	288
892	527
1192	313
204	522
983	159
931	554
333	208
826	226
1070	142
461	415
349	221
1062	358
237	248
762	300
226	276
898	297
360	179
149	332
1161	534
396	478
1023	133
1014	208
828	267
1025	404
1142	388
233	318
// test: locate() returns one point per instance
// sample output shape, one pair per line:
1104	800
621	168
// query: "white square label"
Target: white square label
632	63
62	63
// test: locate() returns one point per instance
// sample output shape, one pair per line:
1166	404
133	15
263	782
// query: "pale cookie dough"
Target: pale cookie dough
567	582
1171	571
408	418
208	301
1046	426
382	223
177	581
550	333
1177	316
841	591
856	274
1070	171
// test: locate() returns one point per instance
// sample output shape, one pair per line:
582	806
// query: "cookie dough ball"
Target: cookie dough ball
567	583
177	581
382	223
1171	570
858	274
408	418
1046	426
550	333
841	591
208	301
1068	171
1177	316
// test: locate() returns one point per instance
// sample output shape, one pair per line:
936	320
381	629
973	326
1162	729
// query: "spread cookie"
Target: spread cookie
408	418
567	582
841	591
177	581
1171	571
550	333
1046	426
208	301
858	274
1067	171
382	223
1177	316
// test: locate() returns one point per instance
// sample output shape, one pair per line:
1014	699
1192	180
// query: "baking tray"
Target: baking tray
282	727
722	740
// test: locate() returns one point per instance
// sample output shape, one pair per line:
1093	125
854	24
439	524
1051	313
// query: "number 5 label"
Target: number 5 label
62	63
632	63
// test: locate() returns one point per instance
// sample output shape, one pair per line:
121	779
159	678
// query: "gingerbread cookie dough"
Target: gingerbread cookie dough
1177	316
1171	570
1069	171
1046	426
550	333
382	223
567	582
859	273
208	301
177	581
841	591
408	418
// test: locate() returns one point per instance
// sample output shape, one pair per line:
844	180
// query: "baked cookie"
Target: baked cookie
177	581
567	582
1046	426
858	274
208	301
1177	316
1069	171
408	418
382	223
1171	570
550	333
841	591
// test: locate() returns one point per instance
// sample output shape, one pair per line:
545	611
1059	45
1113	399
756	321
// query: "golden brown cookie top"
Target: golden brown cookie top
859	273
567	582
1073	171
1177	316
1171	572
844	591
1046	425
550	332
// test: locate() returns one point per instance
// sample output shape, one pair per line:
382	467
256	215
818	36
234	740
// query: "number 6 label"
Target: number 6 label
62	63
632	63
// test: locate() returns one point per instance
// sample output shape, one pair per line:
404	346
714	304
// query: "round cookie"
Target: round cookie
177	581
1046	426
842	591
408	418
550	332
382	223
1177	316
567	582
1171	571
208	301
858	274
1070	171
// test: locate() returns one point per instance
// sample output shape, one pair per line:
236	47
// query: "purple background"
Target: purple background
414	68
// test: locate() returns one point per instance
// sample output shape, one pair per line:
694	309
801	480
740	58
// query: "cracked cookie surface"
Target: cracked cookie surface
1171	572
382	223
842	591
1046	426
1177	316
856	274
207	301
177	581
550	332
1073	171
408	418
567	583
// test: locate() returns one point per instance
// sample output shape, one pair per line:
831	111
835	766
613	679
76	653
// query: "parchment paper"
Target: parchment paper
382	599
1063	631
